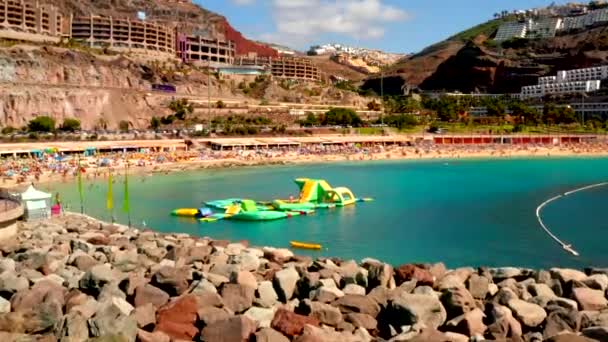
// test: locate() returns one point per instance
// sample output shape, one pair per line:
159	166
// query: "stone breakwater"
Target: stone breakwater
77	279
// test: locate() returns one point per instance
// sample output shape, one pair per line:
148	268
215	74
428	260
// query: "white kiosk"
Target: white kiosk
37	203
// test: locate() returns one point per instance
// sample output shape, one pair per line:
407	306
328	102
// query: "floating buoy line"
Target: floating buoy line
567	247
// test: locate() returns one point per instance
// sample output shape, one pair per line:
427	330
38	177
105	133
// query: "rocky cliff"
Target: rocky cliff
479	64
66	83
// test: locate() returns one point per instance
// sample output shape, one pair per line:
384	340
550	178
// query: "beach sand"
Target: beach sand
254	158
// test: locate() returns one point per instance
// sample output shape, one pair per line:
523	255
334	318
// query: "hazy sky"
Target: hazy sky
390	25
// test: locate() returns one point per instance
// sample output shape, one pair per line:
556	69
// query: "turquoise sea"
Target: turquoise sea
461	212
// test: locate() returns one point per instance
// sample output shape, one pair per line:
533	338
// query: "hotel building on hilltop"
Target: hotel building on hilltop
513	29
541	90
123	34
285	67
197	49
549	26
30	21
36	22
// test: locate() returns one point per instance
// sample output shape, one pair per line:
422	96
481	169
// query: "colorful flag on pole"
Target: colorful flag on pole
125	201
80	192
110	201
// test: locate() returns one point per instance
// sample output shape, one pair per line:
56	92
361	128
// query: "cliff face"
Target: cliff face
478	66
63	83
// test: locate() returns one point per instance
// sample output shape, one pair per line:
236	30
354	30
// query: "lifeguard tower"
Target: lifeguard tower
37	204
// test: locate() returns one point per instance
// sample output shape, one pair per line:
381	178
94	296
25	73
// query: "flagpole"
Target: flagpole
125	205
110	195
80	186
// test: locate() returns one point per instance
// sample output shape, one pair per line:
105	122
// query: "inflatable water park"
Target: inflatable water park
314	194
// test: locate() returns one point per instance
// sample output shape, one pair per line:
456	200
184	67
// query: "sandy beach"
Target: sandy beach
50	170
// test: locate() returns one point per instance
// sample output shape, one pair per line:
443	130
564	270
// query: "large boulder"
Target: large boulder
211	314
150	294
325	313
501	273
291	324
144	336
542	290
237	298
5	306
110	320
469	324
360	320
177	318
531	315
244	278
325	334
266	295
597	281
10	283
234	329
97	277
598	333
357	303
42	292
457	301
560	320
409	309
285	283
379	274
503	324
326	294
73	326
478	286
261	316
270	335
565	275
409	271
589	299
144	315
171	280
354	289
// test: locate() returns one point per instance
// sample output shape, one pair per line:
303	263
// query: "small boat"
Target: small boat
304	245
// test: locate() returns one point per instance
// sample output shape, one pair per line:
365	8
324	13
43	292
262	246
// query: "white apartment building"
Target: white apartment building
596	17
513	29
585	74
574	23
544	28
547	79
541	90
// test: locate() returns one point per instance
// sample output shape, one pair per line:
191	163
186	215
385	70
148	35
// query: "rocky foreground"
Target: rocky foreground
75	279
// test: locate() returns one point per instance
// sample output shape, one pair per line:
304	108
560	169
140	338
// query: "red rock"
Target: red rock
178	317
219	243
99	240
235	329
245	46
290	323
43	291
407	272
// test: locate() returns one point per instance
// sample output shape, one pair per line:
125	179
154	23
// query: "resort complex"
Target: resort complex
31	21
548	25
34	21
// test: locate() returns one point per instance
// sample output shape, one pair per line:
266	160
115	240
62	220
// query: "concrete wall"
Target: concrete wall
10	211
